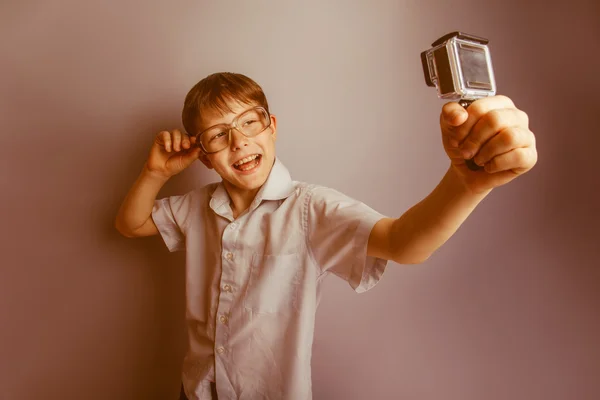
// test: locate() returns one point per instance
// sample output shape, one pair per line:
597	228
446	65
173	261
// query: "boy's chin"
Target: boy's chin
248	185
247	182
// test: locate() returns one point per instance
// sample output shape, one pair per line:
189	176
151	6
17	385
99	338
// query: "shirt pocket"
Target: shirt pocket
273	283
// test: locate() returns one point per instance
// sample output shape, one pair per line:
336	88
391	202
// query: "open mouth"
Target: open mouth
248	163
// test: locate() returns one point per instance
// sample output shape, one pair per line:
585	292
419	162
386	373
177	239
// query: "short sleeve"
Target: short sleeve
338	233
170	215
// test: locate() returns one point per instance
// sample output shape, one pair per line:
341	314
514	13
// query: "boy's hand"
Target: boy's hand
496	134
171	153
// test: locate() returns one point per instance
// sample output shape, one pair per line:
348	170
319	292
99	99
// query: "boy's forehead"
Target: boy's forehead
213	116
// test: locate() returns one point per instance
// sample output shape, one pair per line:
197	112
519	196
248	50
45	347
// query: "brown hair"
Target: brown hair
215	91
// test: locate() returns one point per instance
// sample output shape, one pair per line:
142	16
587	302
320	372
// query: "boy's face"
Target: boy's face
251	175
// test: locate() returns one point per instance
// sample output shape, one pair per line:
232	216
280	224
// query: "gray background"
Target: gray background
507	309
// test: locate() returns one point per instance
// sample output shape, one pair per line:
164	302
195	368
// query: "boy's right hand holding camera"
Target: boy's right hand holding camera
171	153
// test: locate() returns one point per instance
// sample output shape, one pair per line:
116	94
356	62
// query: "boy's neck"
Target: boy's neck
240	199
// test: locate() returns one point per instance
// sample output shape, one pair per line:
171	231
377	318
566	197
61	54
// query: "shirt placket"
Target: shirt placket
227	289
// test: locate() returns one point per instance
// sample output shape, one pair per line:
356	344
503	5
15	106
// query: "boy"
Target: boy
258	244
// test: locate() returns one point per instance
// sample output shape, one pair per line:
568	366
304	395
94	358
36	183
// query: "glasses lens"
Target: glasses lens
253	122
250	123
214	139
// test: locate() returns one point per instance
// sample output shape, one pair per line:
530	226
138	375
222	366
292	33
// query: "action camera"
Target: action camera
460	67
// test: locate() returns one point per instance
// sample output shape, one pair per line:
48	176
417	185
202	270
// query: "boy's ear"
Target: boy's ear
205	161
274	126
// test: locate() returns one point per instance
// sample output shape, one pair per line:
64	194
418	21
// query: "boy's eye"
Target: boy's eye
217	135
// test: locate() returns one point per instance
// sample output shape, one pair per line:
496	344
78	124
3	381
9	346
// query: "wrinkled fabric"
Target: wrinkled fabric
253	283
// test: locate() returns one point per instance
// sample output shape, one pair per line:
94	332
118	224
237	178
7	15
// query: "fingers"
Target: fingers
492	123
176	135
452	116
174	141
164	139
459	125
504	141
516	161
189	156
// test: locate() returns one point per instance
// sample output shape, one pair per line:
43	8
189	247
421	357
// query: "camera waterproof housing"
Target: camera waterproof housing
460	67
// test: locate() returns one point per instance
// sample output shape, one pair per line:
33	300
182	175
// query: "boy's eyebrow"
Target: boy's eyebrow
246	108
217	124
202	127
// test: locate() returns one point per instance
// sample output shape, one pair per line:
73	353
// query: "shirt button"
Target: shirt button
220	350
223	319
229	256
227	288
233	225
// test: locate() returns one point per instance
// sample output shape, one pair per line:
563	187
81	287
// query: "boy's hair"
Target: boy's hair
215	91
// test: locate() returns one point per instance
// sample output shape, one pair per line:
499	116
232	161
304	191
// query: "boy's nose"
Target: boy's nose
238	140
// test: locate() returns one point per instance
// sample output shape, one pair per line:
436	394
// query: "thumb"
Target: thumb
190	156
453	114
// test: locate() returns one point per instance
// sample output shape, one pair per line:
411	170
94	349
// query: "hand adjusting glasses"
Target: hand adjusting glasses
250	123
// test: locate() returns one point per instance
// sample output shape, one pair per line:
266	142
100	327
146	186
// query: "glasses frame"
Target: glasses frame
231	127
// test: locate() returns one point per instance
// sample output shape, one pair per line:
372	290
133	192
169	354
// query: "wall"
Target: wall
508	308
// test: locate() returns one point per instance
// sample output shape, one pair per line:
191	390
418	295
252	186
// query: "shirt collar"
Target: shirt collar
278	186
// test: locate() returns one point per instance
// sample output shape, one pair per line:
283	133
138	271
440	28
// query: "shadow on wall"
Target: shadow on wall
163	273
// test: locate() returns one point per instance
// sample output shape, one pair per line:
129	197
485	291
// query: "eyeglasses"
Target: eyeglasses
250	123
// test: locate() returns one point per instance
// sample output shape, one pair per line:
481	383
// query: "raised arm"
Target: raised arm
493	132
170	154
425	227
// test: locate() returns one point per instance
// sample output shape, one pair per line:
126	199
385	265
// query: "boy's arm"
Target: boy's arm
170	154
135	214
496	135
426	226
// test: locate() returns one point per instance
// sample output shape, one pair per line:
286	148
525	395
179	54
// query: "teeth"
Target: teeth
245	160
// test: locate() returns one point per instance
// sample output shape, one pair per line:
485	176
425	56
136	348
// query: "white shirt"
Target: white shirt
253	283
